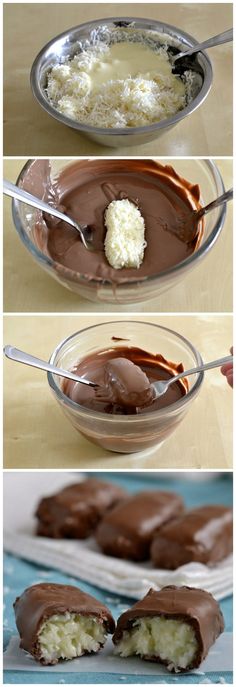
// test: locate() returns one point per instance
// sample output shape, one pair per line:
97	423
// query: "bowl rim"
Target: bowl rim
40	96
53	379
201	251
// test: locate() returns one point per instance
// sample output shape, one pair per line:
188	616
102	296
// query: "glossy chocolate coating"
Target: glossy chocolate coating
203	534
75	511
194	606
41	601
125	385
94	366
84	189
128	529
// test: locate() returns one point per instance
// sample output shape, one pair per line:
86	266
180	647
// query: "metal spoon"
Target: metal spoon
27	359
16	192
161	387
224	37
187	223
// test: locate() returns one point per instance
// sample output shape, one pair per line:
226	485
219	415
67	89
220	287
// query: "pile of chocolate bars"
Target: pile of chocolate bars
150	524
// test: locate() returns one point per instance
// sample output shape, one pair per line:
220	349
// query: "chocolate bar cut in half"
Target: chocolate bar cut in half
128	529
175	626
57	621
75	511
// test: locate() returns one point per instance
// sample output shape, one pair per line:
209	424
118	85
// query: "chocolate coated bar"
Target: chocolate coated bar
127	530
175	626
74	512
59	621
204	535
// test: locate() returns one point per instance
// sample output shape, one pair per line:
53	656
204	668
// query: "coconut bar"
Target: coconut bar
125	238
75	511
127	530
175	626
57	621
203	534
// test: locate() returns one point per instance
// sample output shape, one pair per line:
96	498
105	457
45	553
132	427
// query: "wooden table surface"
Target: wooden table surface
28	288
38	436
30	131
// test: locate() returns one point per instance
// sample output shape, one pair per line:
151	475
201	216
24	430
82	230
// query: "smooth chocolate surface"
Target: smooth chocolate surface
84	189
128	529
41	601
94	367
75	511
194	606
203	534
125	384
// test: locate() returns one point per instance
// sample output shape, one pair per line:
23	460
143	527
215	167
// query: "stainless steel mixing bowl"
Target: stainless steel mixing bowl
67	45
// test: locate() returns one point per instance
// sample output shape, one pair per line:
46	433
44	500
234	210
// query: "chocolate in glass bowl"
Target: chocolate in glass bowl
126	432
93	368
41	177
84	190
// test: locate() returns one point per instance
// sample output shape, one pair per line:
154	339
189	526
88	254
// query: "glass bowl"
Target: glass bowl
202	172
129	433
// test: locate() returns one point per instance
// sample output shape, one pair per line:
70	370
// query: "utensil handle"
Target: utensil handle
27	359
224	37
18	193
228	195
201	368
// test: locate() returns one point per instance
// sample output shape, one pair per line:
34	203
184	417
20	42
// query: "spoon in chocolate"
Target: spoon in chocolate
134	390
27	359
160	388
187	224
18	193
128	385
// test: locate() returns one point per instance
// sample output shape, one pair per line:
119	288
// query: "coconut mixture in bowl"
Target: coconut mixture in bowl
124	81
116	81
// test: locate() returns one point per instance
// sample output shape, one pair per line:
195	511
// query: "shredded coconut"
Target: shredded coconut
133	101
174	641
70	635
124	241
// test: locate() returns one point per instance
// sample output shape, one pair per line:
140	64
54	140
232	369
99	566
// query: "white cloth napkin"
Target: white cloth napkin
81	559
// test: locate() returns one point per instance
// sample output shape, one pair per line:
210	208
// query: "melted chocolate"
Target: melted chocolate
125	384
84	189
94	366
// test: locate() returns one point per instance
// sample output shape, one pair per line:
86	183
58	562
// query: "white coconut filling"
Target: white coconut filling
70	635
125	240
124	85
173	641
